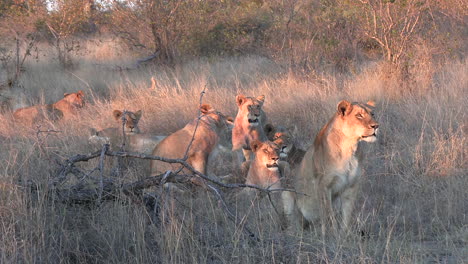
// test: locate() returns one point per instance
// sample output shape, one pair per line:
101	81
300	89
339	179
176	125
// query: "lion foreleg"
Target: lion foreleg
198	162
347	205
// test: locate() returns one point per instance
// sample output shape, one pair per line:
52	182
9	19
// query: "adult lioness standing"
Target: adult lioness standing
330	170
248	125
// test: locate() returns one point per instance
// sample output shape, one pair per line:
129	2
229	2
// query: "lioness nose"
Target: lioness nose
275	158
375	126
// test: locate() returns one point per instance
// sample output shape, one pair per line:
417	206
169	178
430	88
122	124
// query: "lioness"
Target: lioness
248	125
267	171
330	170
211	127
283	137
65	108
70	103
113	135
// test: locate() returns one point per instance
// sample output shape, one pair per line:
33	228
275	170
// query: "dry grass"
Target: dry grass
412	204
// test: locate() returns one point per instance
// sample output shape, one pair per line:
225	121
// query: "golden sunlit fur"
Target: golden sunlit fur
65	108
330	171
267	171
248	125
284	138
211	131
113	135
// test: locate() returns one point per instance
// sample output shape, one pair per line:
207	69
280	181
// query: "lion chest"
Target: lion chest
345	175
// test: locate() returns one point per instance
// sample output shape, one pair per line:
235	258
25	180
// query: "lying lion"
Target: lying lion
330	171
63	109
211	128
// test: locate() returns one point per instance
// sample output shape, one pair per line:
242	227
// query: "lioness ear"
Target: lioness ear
66	94
371	103
255	145
80	93
206	108
240	99
117	114
138	114
261	98
344	107
269	129
293	130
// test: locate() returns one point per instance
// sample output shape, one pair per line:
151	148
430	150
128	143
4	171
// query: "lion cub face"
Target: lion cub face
358	119
75	99
282	137
132	119
266	154
250	108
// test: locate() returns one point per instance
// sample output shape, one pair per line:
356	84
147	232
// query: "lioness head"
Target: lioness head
250	108
131	123
222	123
266	153
358	120
282	137
75	99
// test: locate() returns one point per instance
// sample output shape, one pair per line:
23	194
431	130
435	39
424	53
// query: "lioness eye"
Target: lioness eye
359	116
265	150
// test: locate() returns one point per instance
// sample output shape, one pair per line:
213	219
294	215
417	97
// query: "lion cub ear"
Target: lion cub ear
80	93
138	114
269	130
240	99
255	145
206	108
344	107
261	98
65	95
371	103
117	114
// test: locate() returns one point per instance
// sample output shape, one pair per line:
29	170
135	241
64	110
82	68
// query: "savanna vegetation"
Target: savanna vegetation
304	55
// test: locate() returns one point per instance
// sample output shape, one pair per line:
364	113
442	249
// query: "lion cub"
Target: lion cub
330	171
283	137
65	108
113	135
211	128
268	171
248	125
134	140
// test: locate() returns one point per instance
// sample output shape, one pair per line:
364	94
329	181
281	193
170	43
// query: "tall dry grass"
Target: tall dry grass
412	205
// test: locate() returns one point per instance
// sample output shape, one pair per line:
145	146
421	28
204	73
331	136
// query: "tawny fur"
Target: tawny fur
284	138
62	109
330	171
248	125
267	171
211	128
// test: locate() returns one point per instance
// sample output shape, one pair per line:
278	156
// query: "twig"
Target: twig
195	130
196	125
101	170
83	81
228	212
